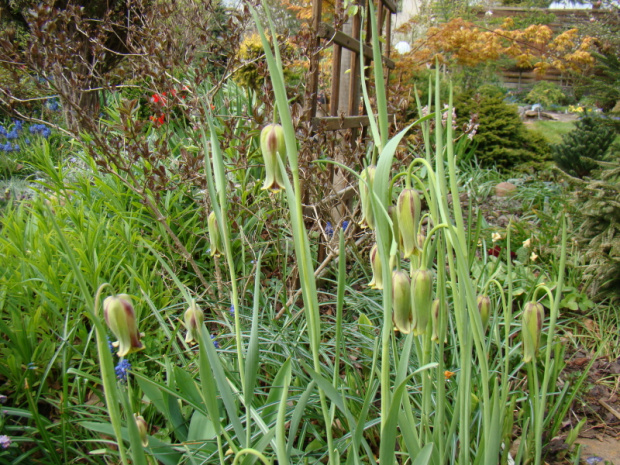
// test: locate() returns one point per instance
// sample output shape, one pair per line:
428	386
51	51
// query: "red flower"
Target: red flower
497	250
156	98
158	120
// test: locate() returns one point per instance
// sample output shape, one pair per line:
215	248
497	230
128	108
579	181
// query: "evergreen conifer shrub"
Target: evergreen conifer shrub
597	205
581	148
502	139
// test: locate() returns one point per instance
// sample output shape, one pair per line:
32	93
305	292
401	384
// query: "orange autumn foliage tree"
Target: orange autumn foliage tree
462	43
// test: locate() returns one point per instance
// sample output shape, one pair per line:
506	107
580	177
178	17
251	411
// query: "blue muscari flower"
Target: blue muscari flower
34	129
121	370
46	132
329	230
232	310
16	148
3	132
8	147
110	346
12	134
53	105
215	343
19	125
345	225
27	141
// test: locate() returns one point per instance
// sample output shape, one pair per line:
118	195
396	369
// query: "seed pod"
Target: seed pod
120	317
422	299
215	237
367	177
484	306
408	211
142	428
402	316
531	328
377	269
194	318
272	145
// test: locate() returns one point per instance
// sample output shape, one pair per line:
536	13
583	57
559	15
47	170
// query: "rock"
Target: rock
505	189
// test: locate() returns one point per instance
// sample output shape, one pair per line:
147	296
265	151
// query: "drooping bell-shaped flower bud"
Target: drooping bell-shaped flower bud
142	429
377	269
408	210
484	306
367	178
121	319
215	236
402	316
394	217
194	318
272	146
531	328
435	309
422	299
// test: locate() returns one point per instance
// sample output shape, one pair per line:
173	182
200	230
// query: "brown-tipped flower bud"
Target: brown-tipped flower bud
121	319
422	299
377	269
367	177
435	309
215	236
402	316
394	217
272	146
142	429
194	318
408	211
484	306
531	329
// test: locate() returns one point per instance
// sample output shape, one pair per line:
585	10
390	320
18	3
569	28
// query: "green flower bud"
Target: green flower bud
367	176
272	145
531	328
377	269
402	316
194	318
408	211
215	236
120	317
422	299
142	428
484	306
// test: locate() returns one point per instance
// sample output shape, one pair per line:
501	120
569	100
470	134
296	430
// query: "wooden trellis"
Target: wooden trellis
325	35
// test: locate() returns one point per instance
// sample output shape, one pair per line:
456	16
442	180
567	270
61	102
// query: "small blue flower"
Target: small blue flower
215	343
12	135
329	230
3	132
8	147
592	460
27	141
110	346
232	310
16	148
345	225
122	369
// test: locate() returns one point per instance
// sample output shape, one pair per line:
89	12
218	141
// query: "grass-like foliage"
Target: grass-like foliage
231	350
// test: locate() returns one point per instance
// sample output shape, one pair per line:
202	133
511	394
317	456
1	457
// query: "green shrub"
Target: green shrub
597	205
547	94
502	139
581	148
